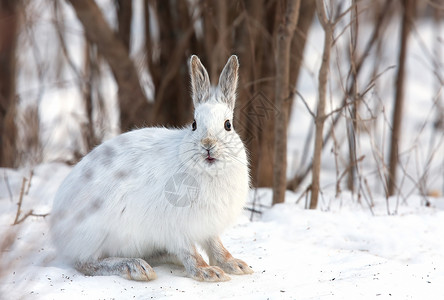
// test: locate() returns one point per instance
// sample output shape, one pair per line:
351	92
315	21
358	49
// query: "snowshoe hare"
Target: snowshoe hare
157	192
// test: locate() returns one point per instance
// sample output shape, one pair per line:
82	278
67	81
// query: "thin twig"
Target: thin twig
306	104
19	204
253	211
29	182
24	192
306	191
30	213
351	165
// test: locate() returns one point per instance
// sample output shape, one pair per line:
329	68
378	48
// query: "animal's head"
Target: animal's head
212	134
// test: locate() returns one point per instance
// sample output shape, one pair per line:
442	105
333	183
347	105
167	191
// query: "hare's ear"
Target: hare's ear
200	82
228	81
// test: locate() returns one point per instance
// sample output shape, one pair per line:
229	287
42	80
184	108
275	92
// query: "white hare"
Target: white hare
157	192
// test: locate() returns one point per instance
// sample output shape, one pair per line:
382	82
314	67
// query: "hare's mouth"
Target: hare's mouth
210	159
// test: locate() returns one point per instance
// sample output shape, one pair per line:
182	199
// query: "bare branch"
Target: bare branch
24	190
322	90
19	204
306	105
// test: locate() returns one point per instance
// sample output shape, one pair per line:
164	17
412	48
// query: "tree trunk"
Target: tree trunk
134	108
283	95
320	115
124	17
8	34
408	6
89	133
352	122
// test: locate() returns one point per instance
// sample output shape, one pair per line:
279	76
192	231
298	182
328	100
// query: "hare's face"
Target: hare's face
211	144
214	132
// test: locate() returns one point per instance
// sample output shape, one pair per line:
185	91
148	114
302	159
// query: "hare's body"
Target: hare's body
110	204
156	190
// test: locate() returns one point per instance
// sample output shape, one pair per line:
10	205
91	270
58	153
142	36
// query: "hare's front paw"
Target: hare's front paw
210	273
235	266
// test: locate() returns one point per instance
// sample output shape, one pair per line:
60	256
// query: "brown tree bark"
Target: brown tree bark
8	34
327	25
409	6
283	94
134	108
124	18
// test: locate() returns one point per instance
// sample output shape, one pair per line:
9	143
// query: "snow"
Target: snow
339	251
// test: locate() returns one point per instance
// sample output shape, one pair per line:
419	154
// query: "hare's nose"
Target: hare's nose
207	143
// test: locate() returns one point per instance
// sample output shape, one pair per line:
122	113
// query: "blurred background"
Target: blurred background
333	95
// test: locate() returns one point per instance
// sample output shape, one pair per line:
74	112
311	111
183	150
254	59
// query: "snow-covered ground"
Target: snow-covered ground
341	253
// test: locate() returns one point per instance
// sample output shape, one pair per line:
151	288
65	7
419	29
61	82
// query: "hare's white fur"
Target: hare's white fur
114	203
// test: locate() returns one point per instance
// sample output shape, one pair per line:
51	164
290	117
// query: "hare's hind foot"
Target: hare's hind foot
129	268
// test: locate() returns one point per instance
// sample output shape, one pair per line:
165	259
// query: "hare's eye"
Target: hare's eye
194	126
227	125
